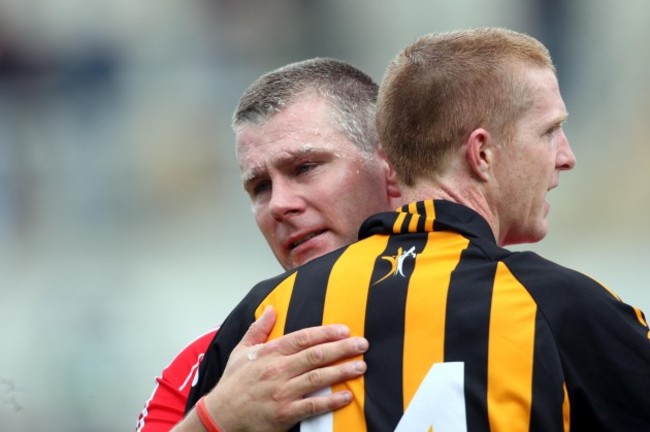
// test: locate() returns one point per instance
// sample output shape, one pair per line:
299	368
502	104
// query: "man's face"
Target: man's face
529	165
310	186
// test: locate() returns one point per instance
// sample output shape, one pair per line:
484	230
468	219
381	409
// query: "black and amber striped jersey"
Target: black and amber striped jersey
464	335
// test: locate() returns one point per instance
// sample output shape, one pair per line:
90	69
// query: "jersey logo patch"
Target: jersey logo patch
397	263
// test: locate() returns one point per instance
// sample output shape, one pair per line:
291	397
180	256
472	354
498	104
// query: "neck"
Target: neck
469	195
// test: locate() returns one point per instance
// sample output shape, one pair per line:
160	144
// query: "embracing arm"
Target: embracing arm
166	406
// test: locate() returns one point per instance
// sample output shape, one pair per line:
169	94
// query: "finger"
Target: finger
260	330
330	352
302	339
323	366
324	377
320	403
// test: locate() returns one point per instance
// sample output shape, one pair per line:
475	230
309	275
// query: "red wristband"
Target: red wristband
204	417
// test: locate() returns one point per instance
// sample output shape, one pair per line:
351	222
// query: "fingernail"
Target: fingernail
343	331
362	344
346	397
359	366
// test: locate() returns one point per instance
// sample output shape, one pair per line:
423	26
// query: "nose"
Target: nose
285	201
566	160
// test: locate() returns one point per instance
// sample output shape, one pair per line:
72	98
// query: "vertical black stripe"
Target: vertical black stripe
421	222
421	216
384	328
421	209
467	329
546	412
308	295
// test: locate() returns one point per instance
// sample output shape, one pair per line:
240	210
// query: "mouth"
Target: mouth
301	240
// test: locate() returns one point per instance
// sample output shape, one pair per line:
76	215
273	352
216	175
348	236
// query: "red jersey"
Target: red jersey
166	406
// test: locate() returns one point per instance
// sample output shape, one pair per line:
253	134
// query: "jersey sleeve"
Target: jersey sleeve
604	345
607	362
166	406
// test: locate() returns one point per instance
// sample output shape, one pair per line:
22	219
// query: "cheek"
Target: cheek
264	222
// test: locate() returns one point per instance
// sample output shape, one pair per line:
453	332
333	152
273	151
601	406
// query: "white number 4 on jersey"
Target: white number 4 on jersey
439	403
437	406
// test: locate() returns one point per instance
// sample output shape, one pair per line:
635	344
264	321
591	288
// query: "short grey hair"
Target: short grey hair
351	94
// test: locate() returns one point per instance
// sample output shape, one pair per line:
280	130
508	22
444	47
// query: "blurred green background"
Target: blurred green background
124	230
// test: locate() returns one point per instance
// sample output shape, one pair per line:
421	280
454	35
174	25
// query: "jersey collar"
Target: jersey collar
427	216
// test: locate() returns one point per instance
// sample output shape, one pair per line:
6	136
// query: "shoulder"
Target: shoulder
544	277
198	345
567	298
183	367
553	285
166	404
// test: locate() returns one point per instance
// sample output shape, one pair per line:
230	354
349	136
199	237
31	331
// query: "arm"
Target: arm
166	406
603	344
268	392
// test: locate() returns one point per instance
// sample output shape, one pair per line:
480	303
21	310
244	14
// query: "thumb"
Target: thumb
260	330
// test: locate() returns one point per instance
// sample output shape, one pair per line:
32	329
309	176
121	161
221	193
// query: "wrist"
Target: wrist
204	416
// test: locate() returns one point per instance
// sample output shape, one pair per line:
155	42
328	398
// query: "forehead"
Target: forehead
302	129
547	105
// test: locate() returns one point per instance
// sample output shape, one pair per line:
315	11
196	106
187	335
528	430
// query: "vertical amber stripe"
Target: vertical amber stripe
426	303
413	224
345	302
430	214
510	354
397	226
413	207
639	316
566	410
279	298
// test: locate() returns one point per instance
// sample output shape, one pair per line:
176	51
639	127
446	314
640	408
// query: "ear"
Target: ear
392	185
479	153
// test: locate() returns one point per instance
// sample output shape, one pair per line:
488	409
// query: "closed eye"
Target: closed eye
556	127
553	132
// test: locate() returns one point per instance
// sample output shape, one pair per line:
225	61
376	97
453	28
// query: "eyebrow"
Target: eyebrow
283	160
